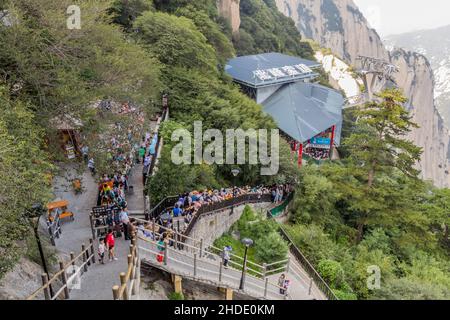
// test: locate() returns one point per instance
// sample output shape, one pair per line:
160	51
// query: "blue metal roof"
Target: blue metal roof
304	110
269	68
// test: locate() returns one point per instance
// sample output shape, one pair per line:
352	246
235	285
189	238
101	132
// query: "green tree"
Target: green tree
379	147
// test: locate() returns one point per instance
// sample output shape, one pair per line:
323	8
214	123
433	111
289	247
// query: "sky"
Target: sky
400	16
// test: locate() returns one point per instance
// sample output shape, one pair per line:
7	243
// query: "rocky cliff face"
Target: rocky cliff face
335	24
435	45
229	9
340	26
416	77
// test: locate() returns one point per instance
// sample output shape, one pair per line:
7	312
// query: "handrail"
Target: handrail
206	261
318	280
129	280
88	257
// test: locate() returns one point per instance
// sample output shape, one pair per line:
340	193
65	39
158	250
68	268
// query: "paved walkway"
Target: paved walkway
97	283
208	270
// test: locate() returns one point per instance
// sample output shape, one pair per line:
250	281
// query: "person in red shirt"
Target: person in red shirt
110	242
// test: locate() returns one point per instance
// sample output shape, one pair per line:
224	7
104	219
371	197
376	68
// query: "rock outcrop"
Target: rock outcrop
340	26
335	24
416	78
229	9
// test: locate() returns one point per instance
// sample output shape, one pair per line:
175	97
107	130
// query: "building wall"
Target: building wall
210	227
266	92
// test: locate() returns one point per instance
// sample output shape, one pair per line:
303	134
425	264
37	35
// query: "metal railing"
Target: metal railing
195	262
227	204
307	266
67	277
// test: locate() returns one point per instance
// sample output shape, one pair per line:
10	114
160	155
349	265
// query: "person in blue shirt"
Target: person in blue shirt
177	211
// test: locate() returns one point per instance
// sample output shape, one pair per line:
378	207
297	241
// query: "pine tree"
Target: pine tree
379	147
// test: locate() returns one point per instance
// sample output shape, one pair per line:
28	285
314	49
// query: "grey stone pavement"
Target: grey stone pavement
97	283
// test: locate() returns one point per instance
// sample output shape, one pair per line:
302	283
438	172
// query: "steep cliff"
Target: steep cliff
416	77
229	9
340	26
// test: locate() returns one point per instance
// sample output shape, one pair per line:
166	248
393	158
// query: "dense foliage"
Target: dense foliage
268	246
265	29
370	209
46	71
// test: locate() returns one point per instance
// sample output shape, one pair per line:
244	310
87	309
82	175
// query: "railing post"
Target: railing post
176	241
44	277
266	283
64	280
201	247
72	258
310	286
154	227
220	270
288	264
264	270
123	283
92	250
92	226
195	265
115	290
83	251
165	253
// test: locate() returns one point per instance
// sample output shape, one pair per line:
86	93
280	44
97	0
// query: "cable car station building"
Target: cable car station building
308	114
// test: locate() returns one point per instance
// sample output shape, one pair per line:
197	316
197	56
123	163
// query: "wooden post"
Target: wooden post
195	265
92	225
166	249
92	250
115	290
220	270
64	280
228	294
138	275
177	284
46	289
264	270
83	250
123	283
72	258
265	287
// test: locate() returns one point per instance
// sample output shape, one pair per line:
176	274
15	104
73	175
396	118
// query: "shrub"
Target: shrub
175	296
332	273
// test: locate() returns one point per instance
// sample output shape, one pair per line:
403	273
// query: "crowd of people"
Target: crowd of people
188	204
124	147
318	154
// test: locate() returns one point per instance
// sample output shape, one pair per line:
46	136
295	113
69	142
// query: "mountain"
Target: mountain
340	26
435	45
